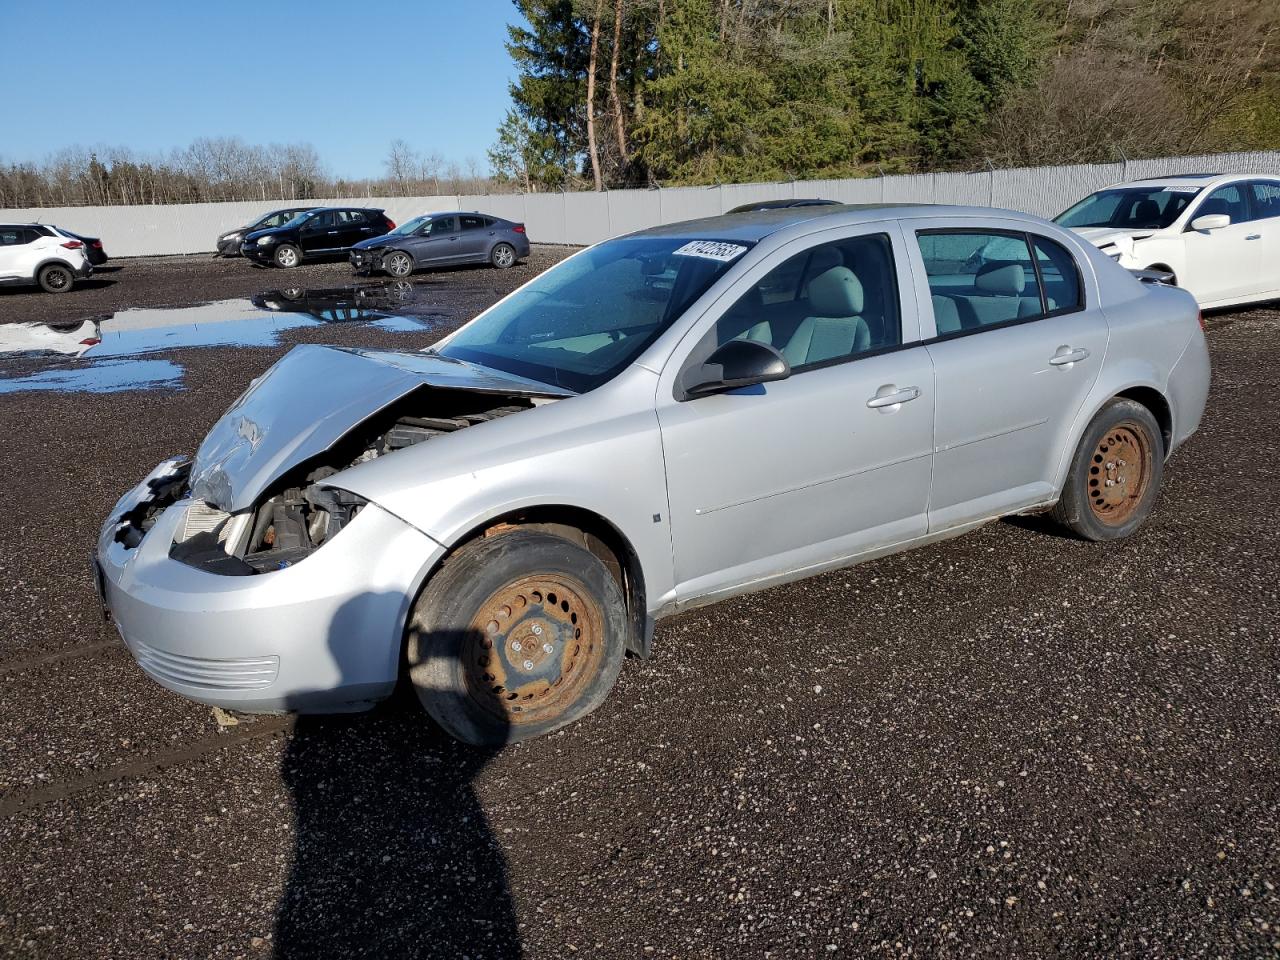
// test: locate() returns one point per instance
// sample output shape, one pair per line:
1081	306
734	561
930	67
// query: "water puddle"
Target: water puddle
100	354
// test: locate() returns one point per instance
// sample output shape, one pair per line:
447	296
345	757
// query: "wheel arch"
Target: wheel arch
1160	408
588	529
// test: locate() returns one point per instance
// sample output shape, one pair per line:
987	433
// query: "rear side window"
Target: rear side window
1265	195
979	279
12	236
471	222
351	216
1059	275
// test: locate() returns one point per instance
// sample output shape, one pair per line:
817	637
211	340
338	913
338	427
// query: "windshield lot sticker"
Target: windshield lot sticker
1181	189
711	250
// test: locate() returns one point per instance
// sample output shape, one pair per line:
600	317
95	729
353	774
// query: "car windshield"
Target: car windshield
411	226
583	321
1130	208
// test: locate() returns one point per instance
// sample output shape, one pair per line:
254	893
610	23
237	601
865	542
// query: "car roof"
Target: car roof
1190	180
755	225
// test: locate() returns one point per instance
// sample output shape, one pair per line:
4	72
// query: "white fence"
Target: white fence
583	218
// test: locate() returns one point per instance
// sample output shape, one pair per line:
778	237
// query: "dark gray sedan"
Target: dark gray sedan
442	239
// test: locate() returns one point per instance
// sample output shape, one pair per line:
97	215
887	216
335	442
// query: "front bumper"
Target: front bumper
365	261
259	254
227	247
320	636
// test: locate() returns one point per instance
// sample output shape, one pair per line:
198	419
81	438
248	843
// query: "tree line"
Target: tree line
614	93
225	168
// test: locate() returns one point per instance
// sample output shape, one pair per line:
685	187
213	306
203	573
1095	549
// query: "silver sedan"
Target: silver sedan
660	421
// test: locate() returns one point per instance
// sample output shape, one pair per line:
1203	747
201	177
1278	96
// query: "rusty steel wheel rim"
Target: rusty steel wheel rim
1119	473
533	647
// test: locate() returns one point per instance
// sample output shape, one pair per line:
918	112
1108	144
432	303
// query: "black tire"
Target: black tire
287	256
551	660
1115	474
503	256
56	278
1161	268
398	264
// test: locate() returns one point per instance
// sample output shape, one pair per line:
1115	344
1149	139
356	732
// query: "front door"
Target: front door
319	234
769	481
438	241
1017	351
1222	264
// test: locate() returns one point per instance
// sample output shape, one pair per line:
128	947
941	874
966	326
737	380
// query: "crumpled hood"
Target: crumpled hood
371	242
309	400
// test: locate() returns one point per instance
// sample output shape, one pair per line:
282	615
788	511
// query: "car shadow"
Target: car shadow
92	283
393	853
1040	523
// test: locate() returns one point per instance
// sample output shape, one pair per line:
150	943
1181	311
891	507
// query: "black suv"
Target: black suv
322	232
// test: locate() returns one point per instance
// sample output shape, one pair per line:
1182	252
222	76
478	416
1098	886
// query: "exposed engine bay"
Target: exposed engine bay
301	513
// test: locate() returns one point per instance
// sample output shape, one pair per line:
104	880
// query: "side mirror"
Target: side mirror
1211	221
738	363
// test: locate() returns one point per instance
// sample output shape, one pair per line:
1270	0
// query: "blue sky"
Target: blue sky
347	77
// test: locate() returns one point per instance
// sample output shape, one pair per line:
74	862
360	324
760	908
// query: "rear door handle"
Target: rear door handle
892	396
1068	355
1254	236
332	232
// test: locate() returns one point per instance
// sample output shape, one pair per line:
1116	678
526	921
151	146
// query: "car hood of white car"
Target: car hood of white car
309	400
1110	236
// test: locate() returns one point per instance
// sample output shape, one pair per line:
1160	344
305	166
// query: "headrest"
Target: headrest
1145	210
822	260
1007	281
836	293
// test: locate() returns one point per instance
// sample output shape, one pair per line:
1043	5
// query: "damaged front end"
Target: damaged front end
257	497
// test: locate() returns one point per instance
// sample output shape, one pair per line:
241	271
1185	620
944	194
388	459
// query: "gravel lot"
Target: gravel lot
1010	744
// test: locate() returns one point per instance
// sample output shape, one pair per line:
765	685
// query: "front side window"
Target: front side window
999	290
831	303
1129	208
583	321
443	225
1229	200
1265	197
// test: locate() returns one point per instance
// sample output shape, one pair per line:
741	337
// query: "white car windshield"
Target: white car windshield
584	320
1130	208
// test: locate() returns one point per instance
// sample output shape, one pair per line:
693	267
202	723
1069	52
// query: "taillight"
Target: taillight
90	342
1200	318
518	228
73	244
391	224
97	244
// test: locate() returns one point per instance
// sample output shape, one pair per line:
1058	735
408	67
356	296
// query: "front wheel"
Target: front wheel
1115	474
55	278
287	255
503	256
399	264
517	635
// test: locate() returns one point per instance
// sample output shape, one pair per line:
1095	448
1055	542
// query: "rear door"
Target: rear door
353	226
1264	208
1017	344
474	233
17	258
1222	264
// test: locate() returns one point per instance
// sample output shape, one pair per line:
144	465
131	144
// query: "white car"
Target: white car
1218	234
74	339
35	253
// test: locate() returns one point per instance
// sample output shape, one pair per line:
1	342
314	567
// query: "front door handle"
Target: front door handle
1254	236
1065	356
332	232
892	396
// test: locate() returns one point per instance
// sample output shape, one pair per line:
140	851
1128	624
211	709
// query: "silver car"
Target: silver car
660	421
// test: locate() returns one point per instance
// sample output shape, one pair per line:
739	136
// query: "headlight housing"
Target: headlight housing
231	236
266	241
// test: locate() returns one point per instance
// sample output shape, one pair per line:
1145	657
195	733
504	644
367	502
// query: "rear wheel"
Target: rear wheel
517	635
287	255
1115	474
503	256
398	264
55	278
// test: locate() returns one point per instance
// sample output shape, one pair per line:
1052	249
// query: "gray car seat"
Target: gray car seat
834	327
